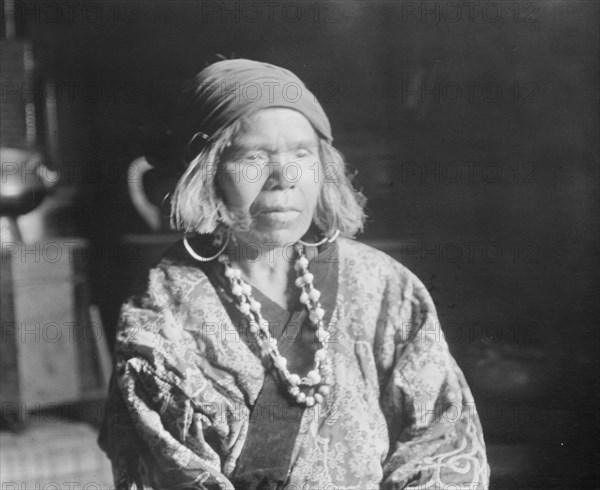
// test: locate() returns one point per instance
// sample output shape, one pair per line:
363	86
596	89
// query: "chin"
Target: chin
278	237
274	236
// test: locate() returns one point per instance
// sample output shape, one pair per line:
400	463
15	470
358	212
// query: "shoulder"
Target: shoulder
176	257
171	278
375	270
367	258
387	301
174	288
353	251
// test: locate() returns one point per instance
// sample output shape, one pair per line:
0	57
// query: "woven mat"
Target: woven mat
53	454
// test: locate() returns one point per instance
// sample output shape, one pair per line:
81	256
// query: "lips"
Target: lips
277	215
278	209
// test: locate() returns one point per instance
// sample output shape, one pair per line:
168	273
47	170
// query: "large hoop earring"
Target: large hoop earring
200	258
195	145
330	239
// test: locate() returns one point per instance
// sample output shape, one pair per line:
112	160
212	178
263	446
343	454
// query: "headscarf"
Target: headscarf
228	90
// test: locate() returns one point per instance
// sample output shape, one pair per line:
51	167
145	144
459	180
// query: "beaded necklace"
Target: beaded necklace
312	388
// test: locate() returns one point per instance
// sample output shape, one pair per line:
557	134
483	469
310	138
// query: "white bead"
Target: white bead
322	335
294	390
304	298
314	294
324	390
246	289
310	401
316	315
308	277
280	362
314	377
300	397
229	272
255	305
299	282
320	355
236	290
254	327
302	262
245	308
294	379
318	397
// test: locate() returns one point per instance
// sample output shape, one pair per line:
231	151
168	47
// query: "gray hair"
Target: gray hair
196	205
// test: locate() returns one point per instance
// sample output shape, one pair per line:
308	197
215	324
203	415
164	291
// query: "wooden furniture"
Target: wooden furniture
53	348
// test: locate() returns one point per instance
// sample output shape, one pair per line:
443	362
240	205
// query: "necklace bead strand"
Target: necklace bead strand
318	379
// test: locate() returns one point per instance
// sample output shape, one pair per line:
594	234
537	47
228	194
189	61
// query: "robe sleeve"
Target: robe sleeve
152	427
436	439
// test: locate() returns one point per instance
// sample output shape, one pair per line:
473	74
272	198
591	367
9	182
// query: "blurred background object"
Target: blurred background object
474	130
53	351
24	175
21	188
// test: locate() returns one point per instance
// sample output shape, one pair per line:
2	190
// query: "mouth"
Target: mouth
279	209
278	214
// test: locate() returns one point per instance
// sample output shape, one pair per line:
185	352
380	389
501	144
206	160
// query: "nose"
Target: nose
278	172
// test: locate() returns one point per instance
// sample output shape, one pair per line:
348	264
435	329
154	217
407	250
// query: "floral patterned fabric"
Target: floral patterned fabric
400	414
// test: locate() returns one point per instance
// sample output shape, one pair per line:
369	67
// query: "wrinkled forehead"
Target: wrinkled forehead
268	126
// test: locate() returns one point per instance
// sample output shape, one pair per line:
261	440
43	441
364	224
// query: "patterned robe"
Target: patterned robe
400	414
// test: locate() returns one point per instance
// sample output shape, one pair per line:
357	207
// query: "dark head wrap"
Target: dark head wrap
230	89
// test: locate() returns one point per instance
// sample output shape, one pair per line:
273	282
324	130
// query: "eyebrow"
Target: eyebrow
304	144
242	144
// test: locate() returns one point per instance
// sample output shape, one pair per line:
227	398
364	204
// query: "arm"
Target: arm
435	434
152	428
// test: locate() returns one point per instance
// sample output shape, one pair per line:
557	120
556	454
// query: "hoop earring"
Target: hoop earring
195	145
200	258
333	238
166	202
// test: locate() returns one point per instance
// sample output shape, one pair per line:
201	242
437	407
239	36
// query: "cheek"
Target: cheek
239	193
315	193
311	188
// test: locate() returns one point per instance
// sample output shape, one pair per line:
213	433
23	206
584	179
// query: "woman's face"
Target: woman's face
270	177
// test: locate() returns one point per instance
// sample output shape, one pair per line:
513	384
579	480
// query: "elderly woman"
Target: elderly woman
269	349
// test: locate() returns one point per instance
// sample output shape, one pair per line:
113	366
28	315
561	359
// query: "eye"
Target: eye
254	157
302	153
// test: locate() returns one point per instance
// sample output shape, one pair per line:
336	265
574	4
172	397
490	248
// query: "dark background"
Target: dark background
475	136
